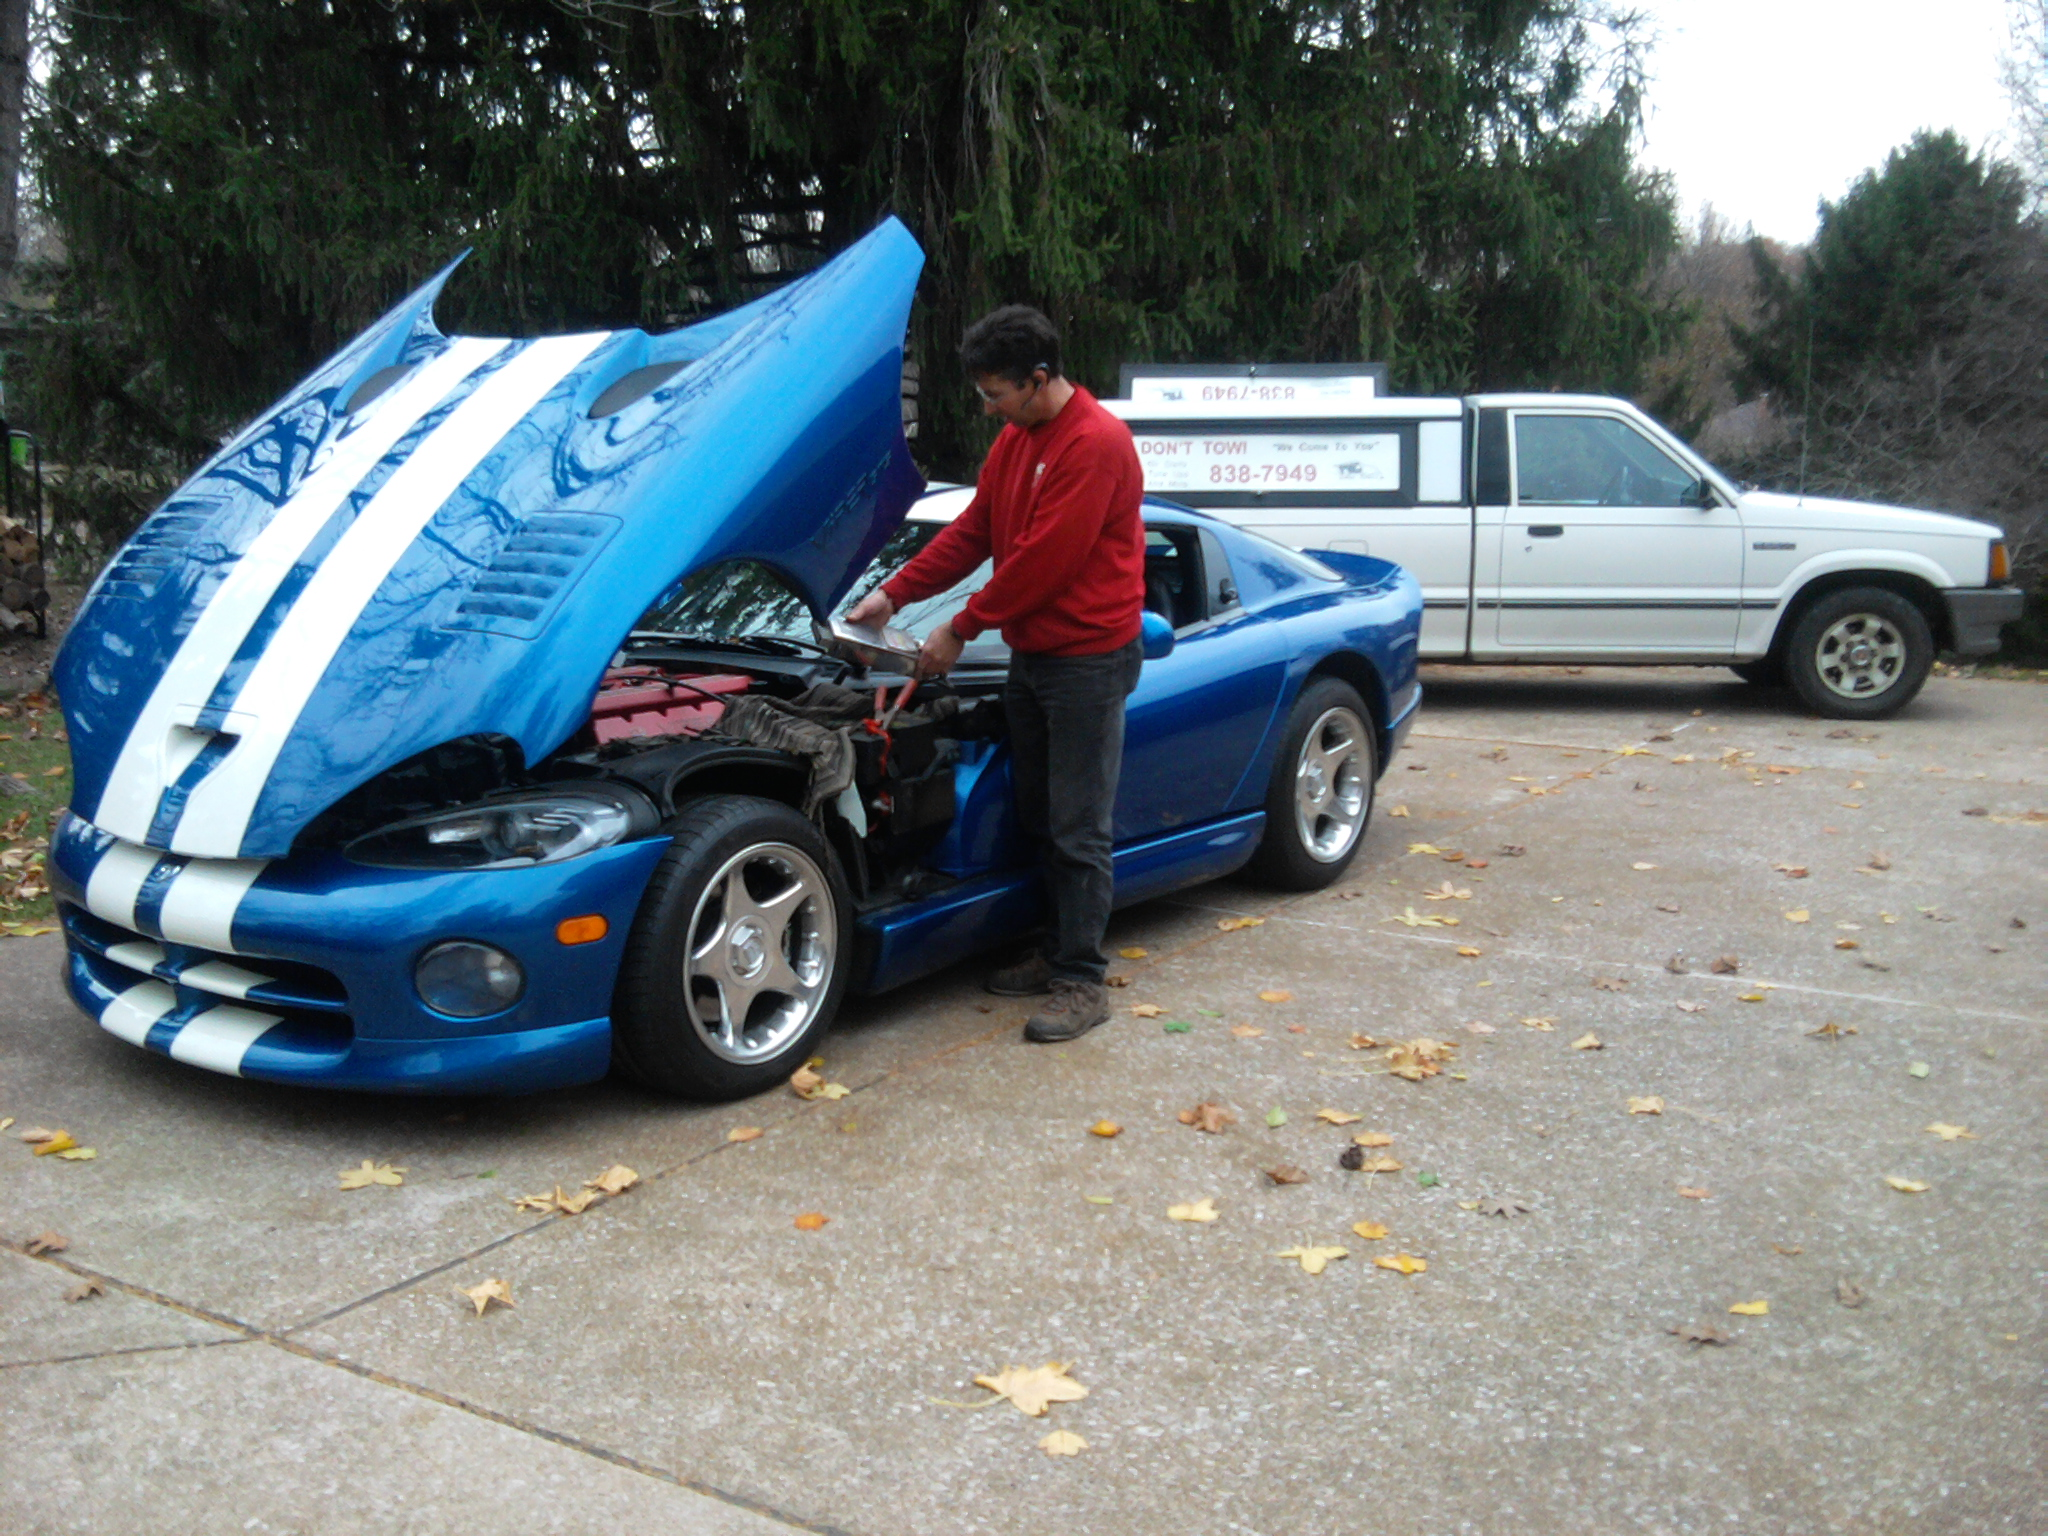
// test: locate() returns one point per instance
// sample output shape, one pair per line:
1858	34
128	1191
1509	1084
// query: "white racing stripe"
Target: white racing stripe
218	977
148	761
137	955
217	815
132	1013
219	1038
116	881
199	908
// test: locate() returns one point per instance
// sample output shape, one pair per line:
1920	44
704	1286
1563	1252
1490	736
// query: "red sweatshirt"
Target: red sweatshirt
1057	506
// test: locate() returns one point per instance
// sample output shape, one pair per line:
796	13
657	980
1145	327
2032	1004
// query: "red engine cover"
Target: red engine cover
645	701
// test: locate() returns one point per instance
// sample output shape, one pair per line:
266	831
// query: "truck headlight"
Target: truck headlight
537	827
468	979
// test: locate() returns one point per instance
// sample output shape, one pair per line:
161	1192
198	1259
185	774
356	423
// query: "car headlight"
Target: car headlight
540	827
468	979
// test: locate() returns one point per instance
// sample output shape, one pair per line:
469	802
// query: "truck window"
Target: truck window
1593	461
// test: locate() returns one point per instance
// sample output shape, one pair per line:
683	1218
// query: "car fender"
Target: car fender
1834	563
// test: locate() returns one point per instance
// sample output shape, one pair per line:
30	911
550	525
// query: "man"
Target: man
1057	509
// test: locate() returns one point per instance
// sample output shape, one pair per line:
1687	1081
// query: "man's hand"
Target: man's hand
940	650
875	608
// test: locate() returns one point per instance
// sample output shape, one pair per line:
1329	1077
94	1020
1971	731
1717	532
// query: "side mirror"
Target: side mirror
1702	495
1156	635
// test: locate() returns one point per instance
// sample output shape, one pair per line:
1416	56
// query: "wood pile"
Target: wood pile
23	591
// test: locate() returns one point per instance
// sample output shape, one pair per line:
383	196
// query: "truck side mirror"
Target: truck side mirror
1155	634
1702	495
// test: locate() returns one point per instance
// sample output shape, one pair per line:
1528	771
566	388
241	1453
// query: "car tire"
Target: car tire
1764	672
738	956
1859	654
1320	796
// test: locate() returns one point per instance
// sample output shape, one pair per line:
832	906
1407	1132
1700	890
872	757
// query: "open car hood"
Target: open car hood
434	537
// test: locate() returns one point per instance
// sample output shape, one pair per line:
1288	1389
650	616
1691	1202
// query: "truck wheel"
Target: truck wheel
738	955
1764	672
1321	793
1859	654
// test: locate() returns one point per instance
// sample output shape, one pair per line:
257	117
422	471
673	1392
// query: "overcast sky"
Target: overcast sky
1763	107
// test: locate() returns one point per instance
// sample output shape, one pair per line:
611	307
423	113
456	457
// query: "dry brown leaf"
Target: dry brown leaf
1847	944
1495	1205
1949	1132
1399	810
1233	924
1246	1031
47	1242
1791	871
1692	1007
1419	1058
1033	1391
534	1202
1207	1116
1194	1210
1544	1024
812	1221
807	1084
1286	1173
1063	1442
1371	1231
1373	1139
1113	981
1447	892
85	1290
1676	966
1362	1042
1105	1128
1413	919
371	1173
1833	1031
1727	965
576	1204
1702	1333
1667	906
1849	1293
481	1296
1314	1260
1588	1042
1338	1116
1648	1105
1879	861
1354	1159
615	1180
1276	995
1402	1263
1757	1308
1907	1186
1297	1029
1693	1192
1791	1252
1146	1010
1609	984
744	1133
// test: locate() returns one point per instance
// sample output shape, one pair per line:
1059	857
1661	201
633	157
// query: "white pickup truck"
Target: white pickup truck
1573	528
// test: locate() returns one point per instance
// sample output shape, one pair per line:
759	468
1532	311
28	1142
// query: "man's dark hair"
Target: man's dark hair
1011	342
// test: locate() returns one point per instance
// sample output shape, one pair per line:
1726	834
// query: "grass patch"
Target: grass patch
35	785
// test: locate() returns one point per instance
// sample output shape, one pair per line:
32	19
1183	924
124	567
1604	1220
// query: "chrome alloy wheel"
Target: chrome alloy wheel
1330	791
763	942
1860	655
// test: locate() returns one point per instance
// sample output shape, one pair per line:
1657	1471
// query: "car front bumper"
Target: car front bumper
1977	614
300	970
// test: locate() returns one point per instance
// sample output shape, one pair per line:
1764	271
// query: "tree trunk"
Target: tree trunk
13	81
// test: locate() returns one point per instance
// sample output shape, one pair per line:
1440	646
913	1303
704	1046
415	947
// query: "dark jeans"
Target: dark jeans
1066	719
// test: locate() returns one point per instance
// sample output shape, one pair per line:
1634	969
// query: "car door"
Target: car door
1197	715
1611	544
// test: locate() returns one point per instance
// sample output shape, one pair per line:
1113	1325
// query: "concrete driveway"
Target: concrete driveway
272	1353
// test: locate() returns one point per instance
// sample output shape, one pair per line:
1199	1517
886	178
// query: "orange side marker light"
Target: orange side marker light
587	929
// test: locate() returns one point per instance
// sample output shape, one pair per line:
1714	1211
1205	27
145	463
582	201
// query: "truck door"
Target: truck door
1611	545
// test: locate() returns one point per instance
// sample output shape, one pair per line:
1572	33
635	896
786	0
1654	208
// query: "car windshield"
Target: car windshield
745	600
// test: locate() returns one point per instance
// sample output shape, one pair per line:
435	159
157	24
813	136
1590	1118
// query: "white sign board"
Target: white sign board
1261	461
1236	389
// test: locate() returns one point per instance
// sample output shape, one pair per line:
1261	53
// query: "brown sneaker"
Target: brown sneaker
1074	1008
1027	978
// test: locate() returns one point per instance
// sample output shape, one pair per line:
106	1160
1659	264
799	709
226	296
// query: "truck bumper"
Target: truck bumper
1976	614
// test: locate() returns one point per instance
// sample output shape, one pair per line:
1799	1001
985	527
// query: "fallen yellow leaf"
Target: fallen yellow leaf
812	1221
1402	1263
1146	1010
1648	1105
1134	952
483	1295
1233	924
46	1142
1908	1186
1588	1042
1399	810
615	1180
1104	1128
1373	1139
1378	1165
1749	997
1800	915
1424	848
77	1154
1693	1192
1277	995
1468	952
1337	1116
1371	1231
1758	1308
371	1173
1246	1031
1033	1391
1950	1132
1198	1210
1543	1024
809	1085
744	1133
1642	866
1063	1442
1314	1260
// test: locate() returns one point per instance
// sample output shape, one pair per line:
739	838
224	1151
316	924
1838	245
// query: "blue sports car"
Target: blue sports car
464	724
